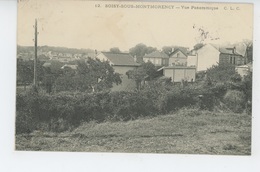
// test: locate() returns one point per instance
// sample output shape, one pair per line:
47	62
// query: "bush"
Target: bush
235	100
130	105
25	110
65	110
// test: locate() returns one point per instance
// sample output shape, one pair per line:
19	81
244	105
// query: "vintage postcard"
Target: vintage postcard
135	77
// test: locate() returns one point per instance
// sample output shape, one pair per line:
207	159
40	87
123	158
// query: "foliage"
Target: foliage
167	49
235	100
90	75
140	50
36	110
221	72
98	75
198	46
25	72
115	50
247	86
146	70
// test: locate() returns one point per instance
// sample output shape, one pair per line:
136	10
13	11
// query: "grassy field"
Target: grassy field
187	131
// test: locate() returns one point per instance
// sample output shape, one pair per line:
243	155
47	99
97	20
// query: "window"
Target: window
163	62
230	59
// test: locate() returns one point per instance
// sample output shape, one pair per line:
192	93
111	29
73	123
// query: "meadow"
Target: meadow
186	131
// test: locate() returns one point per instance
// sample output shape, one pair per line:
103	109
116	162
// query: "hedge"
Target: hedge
66	110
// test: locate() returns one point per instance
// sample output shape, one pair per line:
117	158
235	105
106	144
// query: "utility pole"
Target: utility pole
35	57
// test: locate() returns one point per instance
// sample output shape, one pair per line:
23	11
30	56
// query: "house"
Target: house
158	58
192	60
179	73
211	54
207	56
244	70
72	66
178	58
121	62
229	55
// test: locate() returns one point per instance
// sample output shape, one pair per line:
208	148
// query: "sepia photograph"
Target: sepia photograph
134	77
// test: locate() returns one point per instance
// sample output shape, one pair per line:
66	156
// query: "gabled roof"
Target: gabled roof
177	50
156	54
120	59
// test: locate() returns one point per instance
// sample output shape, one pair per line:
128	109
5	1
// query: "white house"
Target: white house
207	56
179	73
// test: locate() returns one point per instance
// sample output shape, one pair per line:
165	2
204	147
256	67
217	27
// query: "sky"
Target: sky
79	24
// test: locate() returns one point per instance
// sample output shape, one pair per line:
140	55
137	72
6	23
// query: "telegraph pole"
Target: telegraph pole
35	57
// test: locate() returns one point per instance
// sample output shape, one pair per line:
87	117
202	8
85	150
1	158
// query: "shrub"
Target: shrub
129	105
235	100
221	72
65	110
26	104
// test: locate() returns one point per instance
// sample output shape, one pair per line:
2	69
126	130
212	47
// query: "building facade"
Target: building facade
121	62
158	58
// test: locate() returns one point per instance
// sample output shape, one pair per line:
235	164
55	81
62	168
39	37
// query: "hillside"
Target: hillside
188	131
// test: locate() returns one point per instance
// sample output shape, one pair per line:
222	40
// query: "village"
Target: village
175	62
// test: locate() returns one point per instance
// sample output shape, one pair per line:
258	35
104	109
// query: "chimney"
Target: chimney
234	50
171	50
135	59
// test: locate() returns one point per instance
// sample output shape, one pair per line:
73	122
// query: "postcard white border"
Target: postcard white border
11	160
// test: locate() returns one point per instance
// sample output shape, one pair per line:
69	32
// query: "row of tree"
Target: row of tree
90	75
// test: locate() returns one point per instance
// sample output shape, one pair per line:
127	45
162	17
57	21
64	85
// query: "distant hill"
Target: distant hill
26	49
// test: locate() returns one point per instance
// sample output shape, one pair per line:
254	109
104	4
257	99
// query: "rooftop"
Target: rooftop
156	54
121	59
230	51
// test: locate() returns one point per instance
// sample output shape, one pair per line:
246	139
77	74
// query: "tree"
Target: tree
91	76
140	50
198	46
146	70
249	50
25	72
51	73
221	73
167	49
138	75
150	50
115	50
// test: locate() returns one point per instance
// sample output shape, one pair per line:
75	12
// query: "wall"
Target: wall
192	60
179	74
226	58
178	59
127	84
207	57
155	61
